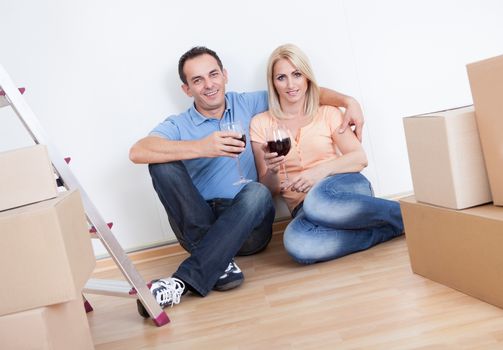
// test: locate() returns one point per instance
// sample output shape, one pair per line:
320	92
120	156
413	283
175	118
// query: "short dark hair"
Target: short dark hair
192	53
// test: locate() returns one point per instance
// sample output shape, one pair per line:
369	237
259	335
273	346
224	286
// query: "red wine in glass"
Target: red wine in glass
242	138
278	140
281	147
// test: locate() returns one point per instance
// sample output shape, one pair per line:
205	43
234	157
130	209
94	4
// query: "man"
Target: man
192	167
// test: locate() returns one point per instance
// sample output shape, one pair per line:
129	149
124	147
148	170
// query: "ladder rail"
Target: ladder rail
107	238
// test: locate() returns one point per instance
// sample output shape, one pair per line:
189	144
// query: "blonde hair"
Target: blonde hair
300	61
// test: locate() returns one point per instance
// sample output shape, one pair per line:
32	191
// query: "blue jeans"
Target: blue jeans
215	231
340	216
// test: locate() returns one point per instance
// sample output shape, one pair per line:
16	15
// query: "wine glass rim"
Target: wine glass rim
232	125
274	133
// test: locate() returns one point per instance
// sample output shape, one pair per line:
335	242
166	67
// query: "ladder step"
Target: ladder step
109	287
3	101
93	232
93	229
21	90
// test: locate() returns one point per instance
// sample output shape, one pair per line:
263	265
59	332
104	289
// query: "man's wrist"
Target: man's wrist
348	101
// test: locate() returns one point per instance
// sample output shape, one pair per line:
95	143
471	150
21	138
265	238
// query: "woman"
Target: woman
333	208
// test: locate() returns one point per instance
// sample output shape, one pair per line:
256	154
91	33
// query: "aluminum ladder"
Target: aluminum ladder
134	286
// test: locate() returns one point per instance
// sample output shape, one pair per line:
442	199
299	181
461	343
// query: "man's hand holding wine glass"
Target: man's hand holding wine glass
223	143
235	131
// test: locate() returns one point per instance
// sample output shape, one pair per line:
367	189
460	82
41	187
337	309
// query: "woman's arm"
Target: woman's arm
353	159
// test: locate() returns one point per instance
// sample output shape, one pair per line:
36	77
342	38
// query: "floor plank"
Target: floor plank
368	300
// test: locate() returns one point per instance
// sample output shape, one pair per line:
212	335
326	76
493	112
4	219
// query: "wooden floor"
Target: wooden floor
369	300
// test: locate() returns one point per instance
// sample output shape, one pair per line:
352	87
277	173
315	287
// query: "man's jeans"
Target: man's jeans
212	232
341	216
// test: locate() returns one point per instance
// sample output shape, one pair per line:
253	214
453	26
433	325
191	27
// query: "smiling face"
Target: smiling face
206	84
290	84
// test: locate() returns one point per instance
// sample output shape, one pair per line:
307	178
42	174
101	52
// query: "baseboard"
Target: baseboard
398	196
171	249
163	251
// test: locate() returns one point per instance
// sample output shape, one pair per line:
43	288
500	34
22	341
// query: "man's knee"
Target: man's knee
165	170
259	204
257	195
256	243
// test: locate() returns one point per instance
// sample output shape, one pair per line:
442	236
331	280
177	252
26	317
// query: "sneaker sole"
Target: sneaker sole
230	285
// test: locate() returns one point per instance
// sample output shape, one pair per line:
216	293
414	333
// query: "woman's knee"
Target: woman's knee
354	183
298	243
336	199
307	243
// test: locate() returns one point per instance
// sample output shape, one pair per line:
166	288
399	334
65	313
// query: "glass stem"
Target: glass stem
241	177
287	180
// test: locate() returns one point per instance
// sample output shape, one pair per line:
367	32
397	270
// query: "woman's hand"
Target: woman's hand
268	166
272	161
300	184
305	181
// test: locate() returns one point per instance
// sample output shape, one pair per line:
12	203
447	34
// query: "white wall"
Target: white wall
101	74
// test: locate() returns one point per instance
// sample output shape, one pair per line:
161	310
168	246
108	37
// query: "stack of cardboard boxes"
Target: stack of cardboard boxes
46	256
454	234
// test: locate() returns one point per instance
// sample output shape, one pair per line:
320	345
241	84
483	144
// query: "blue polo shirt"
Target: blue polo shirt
214	177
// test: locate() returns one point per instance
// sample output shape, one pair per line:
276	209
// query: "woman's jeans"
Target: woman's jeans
341	216
213	232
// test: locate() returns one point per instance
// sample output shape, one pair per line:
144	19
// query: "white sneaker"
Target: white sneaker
167	291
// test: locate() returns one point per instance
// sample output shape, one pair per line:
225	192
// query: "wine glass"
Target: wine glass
237	127
278	140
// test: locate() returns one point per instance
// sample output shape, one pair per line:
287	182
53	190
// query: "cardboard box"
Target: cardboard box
56	327
486	83
446	161
458	248
46	255
26	177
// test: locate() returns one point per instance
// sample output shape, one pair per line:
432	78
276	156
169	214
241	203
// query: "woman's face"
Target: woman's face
289	82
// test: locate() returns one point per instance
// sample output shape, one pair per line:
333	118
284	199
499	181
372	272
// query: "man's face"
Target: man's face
206	84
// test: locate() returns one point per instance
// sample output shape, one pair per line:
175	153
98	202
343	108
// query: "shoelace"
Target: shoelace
235	267
232	266
229	268
169	291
